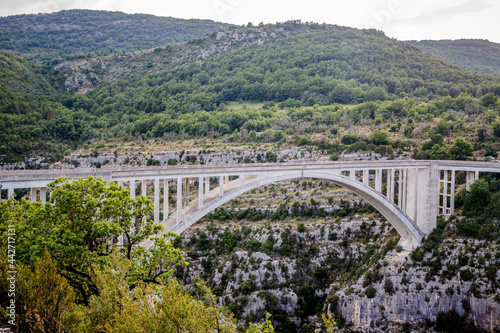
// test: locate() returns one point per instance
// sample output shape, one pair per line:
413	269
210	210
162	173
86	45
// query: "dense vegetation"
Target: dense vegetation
81	267
476	55
81	33
23	76
299	246
81	264
305	77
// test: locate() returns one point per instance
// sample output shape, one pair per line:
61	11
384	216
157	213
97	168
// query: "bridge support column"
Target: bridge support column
166	196
448	199
452	198
43	195
366	177
200	193
422	196
226	180
415	197
179	200
132	189
352	174
156	201
390	185
186	194
120	183
207	185
444	206
221	186
10	191
378	180
412	194
405	186
143	188
33	194
471	178
400	188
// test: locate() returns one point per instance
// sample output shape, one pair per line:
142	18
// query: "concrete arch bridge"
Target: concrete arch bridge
409	194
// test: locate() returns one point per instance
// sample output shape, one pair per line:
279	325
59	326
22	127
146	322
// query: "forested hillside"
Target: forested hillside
277	62
76	33
303	77
101	89
18	74
475	55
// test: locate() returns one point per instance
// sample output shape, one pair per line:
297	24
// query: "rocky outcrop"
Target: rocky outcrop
392	290
414	296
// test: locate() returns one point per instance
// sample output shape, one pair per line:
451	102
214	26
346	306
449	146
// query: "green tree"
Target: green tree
164	308
478	198
341	94
489	100
460	149
376	94
82	224
44	299
379	137
265	327
496	129
438	153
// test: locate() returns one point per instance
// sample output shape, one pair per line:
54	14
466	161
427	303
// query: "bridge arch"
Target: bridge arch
411	235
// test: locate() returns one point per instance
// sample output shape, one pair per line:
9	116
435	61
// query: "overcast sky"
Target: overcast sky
401	19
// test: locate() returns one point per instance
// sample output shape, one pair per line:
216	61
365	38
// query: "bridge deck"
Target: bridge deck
124	174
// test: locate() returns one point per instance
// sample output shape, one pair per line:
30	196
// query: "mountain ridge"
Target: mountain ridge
79	33
477	55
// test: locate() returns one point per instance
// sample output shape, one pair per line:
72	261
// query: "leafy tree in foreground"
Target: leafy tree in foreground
168	308
44	299
82	225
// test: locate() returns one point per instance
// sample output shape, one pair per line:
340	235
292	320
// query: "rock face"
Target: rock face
416	296
112	67
418	305
263	275
192	156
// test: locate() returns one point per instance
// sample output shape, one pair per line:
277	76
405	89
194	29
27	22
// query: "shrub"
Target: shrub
389	286
466	275
370	292
332	236
320	273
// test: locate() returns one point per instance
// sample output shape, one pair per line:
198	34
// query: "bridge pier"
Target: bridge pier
221	186
144	188
378	180
156	201
186	192
43	195
33	194
366	177
471	178
179	200
131	188
200	193
166	196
